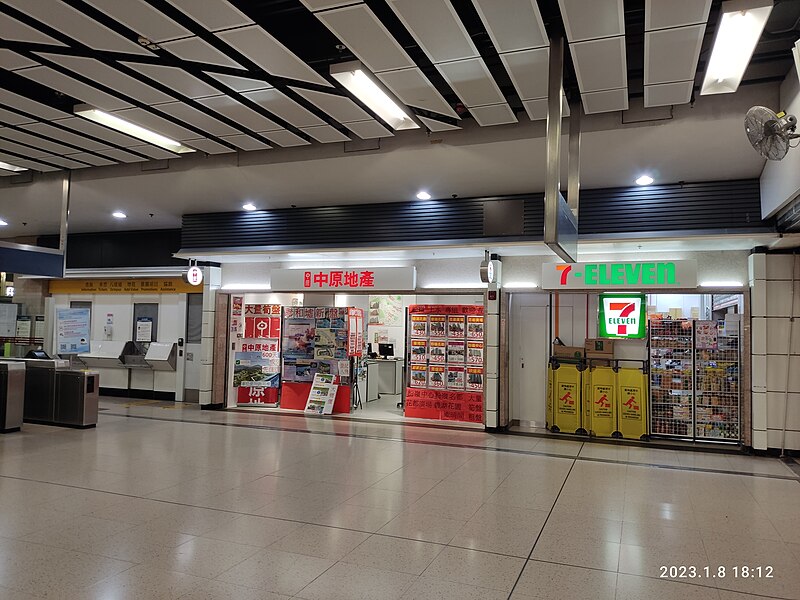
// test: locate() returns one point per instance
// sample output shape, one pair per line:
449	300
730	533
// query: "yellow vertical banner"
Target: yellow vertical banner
632	403
565	396
600	400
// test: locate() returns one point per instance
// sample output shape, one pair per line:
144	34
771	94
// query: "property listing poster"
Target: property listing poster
256	373
447	362
237	315
316	340
386	311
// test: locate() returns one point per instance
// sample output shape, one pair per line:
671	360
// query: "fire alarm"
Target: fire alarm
194	276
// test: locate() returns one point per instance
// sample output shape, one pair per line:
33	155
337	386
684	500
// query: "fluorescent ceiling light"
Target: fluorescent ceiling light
9	167
131	129
118	214
247	286
3	223
423	195
249	206
644	180
721	284
738	32
455	286
360	82
519	284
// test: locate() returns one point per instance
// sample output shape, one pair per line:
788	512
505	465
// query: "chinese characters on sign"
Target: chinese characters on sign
339	279
363	278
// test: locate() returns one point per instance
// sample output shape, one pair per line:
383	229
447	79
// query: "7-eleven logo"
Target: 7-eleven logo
623	316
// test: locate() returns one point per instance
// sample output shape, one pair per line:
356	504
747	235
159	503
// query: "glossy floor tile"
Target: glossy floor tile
165	501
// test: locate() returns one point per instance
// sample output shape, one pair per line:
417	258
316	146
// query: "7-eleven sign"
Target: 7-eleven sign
622	316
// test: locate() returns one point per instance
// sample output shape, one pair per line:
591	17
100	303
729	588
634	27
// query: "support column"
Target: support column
492	340
212	280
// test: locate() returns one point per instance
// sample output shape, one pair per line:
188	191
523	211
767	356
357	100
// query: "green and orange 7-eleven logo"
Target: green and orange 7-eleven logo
622	316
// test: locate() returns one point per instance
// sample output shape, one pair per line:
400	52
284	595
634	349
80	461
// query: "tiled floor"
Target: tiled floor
164	501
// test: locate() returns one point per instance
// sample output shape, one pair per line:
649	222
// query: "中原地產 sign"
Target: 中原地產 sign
347	279
622	316
600	276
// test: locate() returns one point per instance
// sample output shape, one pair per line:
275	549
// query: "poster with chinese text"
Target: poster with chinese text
456	326
419	326
455	377
419	351
475	327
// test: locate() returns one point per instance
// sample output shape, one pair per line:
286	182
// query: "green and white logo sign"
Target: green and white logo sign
622	316
621	275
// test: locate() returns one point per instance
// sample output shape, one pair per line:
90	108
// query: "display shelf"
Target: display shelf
671	375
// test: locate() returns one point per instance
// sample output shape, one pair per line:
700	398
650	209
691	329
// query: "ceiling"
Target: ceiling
246	83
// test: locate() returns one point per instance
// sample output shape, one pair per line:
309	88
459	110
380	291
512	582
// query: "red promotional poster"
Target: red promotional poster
445	405
419	376
475	353
355	331
445	309
262	327
456	326
436	377
475	328
262	309
419	351
475	379
437	350
419	326
437	326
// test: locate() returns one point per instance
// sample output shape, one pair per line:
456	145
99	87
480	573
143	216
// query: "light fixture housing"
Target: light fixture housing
357	79
132	129
644	180
118	214
249	206
9	167
3	223
721	284
740	25
423	195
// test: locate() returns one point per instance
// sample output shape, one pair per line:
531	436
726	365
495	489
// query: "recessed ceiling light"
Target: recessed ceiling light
423	195
118	214
249	206
131	129
3	223
644	180
9	167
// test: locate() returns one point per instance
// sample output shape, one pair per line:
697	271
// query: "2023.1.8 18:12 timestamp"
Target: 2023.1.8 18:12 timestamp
720	572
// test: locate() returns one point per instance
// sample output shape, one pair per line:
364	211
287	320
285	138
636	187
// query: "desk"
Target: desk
384	377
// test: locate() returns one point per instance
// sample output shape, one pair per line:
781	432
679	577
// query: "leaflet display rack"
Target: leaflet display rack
446	372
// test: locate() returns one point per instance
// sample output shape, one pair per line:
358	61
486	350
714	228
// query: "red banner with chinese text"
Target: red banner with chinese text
445	405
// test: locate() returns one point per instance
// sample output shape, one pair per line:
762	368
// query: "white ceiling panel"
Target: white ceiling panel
75	24
537	109
513	24
285	138
528	70
156	123
671	54
325	134
437	28
590	19
269	54
315	5
340	108
286	109
11	118
600	64
369	129
143	19
414	89
198	50
496	114
192	116
663	14
245	142
29	106
93	160
435	125
667	94
209	146
110	77
28	164
67	163
104	133
122	156
36	142
154	152
366	37
240	84
472	82
82	92
605	101
9	146
62	135
176	79
10	60
11	29
225	105
213	14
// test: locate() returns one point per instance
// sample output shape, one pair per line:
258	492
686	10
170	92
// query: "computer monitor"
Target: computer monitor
386	350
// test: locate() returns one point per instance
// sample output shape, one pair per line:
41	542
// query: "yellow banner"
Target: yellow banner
173	285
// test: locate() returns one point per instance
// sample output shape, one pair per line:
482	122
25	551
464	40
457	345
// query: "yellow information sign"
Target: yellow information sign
161	285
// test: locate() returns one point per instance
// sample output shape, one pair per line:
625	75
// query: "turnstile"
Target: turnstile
12	396
78	395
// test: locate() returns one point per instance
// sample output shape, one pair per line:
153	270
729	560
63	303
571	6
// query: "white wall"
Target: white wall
780	180
773	357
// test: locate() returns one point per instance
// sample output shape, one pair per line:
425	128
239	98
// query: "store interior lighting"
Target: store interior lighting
644	180
423	195
740	26
249	206
360	82
118	214
3	223
520	285
721	284
9	167
131	129
254	287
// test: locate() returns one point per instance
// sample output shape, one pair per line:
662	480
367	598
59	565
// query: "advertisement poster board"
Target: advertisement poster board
707	333
23	327
475	328
322	395
39	327
72	330
386	311
419	326
419	351
144	329
256	375
237	314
